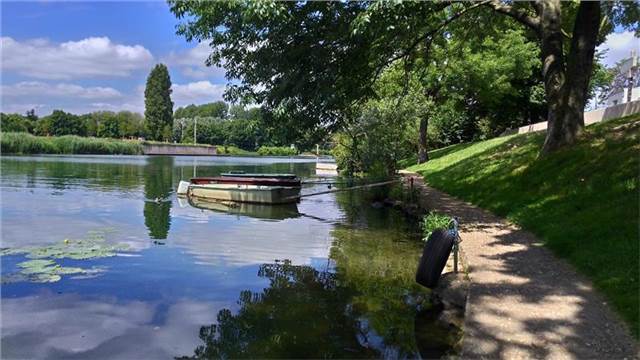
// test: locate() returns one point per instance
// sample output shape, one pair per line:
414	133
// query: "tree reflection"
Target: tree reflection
303	313
158	186
368	306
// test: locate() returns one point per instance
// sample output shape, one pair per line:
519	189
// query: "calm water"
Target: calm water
331	276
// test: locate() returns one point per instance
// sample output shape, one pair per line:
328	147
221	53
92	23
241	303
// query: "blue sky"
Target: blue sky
90	56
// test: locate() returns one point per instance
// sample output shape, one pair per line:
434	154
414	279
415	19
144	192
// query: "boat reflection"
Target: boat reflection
259	211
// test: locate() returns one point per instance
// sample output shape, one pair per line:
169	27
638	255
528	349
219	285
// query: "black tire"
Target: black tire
434	257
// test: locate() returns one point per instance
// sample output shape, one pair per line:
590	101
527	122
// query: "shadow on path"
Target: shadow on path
523	301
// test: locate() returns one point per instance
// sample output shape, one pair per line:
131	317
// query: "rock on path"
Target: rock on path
524	302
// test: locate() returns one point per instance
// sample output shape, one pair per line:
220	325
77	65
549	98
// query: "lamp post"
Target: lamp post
195	125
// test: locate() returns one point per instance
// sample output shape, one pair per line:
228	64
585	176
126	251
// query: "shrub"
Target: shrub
276	151
433	221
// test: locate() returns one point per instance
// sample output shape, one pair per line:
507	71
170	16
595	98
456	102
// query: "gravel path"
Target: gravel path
524	302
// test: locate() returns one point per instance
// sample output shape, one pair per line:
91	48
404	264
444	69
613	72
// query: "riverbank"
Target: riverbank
21	143
24	143
522	301
581	203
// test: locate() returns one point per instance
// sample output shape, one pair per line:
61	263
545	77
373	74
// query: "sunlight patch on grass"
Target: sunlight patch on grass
581	201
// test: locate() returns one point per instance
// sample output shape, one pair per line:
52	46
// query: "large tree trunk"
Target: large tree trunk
423	154
567	78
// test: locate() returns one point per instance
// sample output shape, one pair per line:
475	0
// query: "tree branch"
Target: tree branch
406	52
518	14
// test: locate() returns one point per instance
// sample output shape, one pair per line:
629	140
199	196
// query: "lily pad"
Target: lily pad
37	266
43	268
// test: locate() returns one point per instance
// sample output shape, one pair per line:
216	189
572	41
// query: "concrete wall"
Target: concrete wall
160	149
590	117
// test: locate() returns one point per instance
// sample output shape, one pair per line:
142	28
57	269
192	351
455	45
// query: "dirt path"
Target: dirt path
523	301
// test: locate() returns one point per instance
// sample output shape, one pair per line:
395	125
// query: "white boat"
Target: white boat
329	166
257	194
326	168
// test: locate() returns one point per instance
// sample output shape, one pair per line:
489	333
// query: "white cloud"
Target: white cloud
192	57
619	46
90	57
192	62
194	72
37	88
198	92
45	97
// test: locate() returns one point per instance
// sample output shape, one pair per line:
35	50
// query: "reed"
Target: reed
25	143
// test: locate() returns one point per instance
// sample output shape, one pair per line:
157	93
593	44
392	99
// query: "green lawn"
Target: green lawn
581	201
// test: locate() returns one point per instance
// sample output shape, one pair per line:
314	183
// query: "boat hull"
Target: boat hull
254	175
255	194
266	181
258	211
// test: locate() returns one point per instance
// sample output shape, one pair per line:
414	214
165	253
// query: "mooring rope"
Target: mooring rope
343	189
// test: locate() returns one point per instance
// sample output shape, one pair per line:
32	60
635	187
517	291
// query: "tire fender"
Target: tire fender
434	257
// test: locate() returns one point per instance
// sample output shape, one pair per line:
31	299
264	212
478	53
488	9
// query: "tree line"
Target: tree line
235	126
217	123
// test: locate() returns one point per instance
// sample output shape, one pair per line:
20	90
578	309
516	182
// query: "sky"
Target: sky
90	56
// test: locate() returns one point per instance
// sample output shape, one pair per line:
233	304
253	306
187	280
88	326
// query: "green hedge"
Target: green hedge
24	143
276	151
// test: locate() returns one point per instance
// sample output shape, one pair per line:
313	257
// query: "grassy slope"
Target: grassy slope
581	201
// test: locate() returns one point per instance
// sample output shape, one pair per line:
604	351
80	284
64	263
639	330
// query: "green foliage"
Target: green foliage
276	151
115	125
581	201
382	135
62	123
14	123
245	134
433	221
312	63
22	143
232	150
158	111
216	109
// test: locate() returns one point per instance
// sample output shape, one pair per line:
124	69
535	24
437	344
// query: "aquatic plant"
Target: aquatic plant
42	267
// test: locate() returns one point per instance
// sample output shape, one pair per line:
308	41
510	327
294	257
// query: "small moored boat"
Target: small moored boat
244	188
257	194
246	180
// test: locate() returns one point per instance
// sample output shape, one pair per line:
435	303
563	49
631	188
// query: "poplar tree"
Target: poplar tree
158	113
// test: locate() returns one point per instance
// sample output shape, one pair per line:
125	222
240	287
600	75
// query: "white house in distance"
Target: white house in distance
626	84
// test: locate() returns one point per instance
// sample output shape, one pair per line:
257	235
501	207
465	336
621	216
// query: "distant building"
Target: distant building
626	84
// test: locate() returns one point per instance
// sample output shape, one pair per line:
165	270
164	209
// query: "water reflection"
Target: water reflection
303	313
258	211
362	303
347	290
158	186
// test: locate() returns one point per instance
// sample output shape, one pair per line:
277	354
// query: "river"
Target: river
101	259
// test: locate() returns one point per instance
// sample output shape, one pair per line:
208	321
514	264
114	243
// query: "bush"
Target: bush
232	150
23	143
433	221
276	151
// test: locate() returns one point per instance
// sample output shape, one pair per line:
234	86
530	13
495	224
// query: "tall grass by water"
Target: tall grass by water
581	201
24	143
